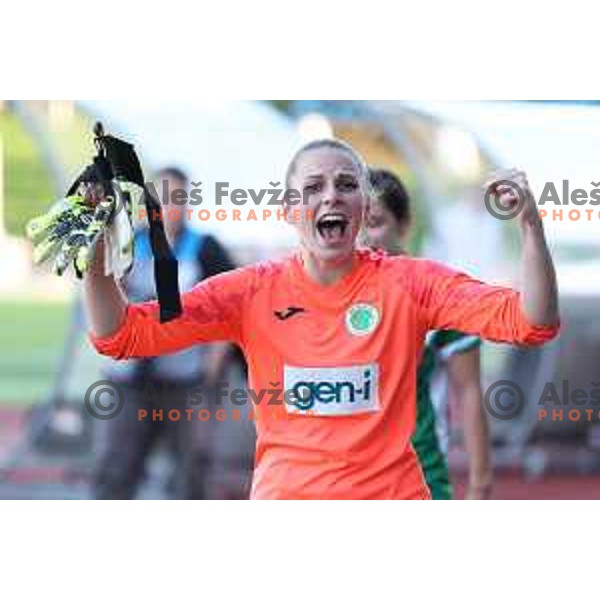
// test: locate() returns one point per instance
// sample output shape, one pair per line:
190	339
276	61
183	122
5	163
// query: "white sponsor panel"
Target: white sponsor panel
332	391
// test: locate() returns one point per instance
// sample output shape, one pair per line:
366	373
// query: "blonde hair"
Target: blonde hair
333	144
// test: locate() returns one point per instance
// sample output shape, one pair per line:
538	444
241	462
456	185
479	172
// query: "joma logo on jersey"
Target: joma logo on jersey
332	390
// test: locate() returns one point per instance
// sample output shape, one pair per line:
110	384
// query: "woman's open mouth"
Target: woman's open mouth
332	227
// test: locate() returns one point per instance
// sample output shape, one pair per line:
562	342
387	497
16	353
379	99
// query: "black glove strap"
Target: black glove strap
165	264
117	159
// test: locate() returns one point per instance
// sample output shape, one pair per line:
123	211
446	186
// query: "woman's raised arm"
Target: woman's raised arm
212	312
105	302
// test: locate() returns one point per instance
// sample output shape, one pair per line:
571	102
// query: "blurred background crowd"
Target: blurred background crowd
50	446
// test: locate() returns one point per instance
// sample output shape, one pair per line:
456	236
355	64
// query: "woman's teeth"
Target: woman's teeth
332	227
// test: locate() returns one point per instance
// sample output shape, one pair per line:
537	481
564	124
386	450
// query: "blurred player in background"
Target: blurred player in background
388	227
164	382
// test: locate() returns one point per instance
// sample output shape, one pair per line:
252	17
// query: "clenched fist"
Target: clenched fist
509	196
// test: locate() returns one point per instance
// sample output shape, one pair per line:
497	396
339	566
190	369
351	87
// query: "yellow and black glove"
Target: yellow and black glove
98	202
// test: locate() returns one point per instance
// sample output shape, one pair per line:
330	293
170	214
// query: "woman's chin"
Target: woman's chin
332	252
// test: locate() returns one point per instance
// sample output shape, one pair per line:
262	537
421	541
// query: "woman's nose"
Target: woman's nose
329	195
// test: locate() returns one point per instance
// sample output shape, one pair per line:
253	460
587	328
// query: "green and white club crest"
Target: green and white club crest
362	319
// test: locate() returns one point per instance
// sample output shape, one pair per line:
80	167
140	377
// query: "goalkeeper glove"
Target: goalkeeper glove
70	230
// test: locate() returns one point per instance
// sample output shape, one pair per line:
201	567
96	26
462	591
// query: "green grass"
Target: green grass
33	342
73	143
33	333
27	182
32	338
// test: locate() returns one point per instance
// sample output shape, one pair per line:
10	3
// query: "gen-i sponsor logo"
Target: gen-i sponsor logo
308	393
332	390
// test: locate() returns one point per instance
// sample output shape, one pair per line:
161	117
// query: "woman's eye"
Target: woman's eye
348	185
312	188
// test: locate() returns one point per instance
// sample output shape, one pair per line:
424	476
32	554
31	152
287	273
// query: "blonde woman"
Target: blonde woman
338	331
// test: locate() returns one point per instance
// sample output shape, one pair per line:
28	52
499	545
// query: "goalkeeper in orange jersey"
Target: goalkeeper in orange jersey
336	333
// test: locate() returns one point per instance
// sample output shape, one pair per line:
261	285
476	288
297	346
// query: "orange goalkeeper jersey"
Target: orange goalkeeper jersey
343	358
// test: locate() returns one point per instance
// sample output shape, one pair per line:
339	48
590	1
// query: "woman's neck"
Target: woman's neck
326	272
